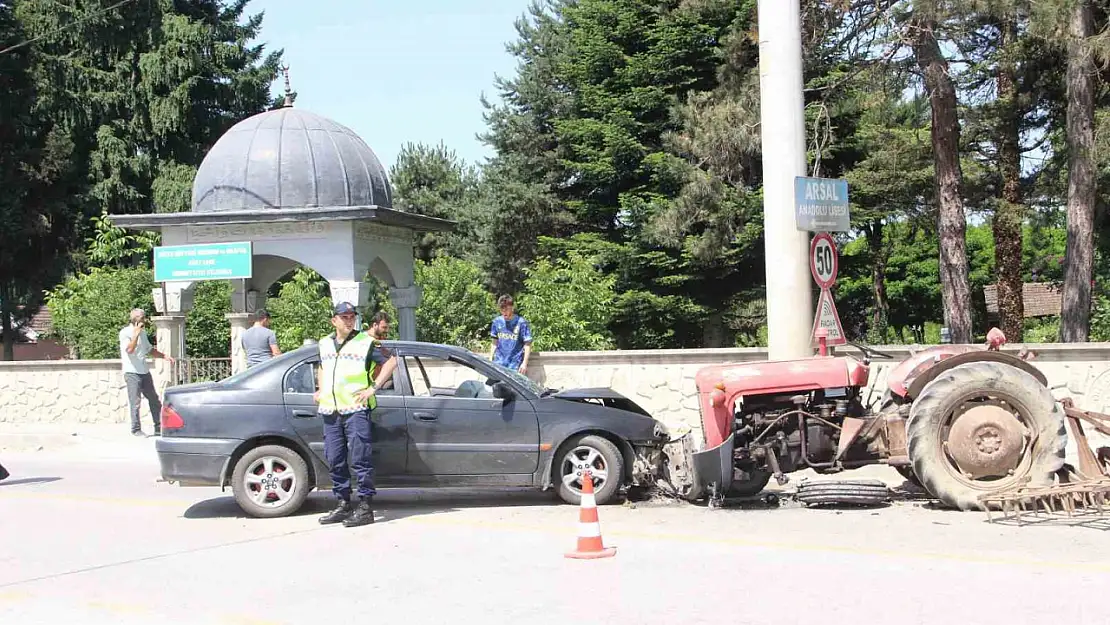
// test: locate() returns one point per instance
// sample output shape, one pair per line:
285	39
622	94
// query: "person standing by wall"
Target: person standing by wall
352	368
134	347
512	337
259	341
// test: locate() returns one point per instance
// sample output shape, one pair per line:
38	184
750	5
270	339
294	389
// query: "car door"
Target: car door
457	427
388	421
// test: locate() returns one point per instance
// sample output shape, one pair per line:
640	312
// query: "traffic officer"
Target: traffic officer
352	367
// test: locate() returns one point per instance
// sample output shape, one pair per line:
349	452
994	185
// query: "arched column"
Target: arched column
406	300
169	325
357	293
245	301
249	296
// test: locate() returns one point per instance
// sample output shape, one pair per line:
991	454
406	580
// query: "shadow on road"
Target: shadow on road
391	504
29	480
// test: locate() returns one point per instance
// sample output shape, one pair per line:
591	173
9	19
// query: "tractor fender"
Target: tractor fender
962	359
715	466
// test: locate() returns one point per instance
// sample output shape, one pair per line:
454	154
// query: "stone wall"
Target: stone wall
662	381
66	391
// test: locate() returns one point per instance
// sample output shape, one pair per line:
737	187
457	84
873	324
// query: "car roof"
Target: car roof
438	347
277	366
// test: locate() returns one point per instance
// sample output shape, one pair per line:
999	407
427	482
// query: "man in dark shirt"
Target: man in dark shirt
259	341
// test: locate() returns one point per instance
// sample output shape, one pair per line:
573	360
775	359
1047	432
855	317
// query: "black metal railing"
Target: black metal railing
192	370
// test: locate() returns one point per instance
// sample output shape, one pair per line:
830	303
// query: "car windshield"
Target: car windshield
521	379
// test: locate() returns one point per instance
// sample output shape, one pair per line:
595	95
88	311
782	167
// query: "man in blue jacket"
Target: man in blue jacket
512	337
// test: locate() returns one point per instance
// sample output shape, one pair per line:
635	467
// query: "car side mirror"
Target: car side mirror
502	391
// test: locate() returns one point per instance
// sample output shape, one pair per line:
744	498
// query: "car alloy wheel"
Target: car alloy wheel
577	461
588	451
270	482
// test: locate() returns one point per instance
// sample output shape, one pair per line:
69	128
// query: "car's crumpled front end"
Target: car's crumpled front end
667	462
648	457
662	458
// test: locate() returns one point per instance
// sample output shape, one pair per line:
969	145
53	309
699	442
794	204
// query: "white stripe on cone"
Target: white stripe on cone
589	530
588	501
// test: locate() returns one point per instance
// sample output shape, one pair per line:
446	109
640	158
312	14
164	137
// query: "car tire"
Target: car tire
602	453
269	465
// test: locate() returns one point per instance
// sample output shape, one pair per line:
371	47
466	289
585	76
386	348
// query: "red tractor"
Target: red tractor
959	420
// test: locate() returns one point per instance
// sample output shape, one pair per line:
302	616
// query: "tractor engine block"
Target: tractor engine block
769	433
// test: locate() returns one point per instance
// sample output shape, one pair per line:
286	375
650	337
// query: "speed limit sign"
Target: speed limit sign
823	263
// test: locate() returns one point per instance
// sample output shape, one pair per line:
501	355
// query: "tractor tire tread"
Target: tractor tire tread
935	401
863	492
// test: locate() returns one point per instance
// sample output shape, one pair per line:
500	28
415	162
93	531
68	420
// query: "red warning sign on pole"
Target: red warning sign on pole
823	262
829	320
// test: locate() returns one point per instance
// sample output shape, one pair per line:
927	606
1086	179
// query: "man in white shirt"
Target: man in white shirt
134	347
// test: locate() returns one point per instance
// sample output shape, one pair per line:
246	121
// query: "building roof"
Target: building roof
289	158
1041	299
288	165
39	325
385	216
42	322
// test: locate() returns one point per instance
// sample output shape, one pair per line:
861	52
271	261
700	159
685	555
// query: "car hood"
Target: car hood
601	396
589	393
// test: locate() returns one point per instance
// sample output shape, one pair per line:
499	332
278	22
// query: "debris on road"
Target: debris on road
843	492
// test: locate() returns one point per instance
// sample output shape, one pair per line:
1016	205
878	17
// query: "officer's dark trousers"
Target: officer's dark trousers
343	434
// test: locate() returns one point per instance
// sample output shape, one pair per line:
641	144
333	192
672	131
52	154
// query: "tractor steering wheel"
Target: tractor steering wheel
870	350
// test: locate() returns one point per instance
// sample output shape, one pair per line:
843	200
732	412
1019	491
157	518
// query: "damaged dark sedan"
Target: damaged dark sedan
448	418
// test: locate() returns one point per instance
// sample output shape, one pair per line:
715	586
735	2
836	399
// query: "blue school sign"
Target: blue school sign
821	204
209	261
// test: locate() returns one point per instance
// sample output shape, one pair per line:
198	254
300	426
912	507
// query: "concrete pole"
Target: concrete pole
782	119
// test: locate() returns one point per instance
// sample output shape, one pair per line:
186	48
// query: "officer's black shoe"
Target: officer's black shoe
364	515
340	513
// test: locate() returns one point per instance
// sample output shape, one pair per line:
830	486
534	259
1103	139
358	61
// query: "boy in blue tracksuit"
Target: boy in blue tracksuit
512	338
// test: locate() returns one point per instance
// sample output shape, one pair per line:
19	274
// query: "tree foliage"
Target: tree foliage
569	303
207	334
455	309
623	202
302	310
37	231
433	181
88	310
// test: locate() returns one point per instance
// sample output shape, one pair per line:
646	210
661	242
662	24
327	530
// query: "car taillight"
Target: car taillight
171	420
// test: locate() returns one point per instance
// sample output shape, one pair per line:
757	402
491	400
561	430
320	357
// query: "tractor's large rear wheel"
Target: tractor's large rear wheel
982	427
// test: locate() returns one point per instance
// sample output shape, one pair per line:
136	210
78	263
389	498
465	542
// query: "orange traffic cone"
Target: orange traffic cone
590	546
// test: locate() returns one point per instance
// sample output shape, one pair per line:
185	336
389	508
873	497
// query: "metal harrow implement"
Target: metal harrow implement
1081	491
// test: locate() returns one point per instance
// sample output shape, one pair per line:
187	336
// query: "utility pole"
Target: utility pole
782	129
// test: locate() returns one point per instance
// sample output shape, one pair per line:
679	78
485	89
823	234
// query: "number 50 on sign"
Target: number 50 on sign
823	263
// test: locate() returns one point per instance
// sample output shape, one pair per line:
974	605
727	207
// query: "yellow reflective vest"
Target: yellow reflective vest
345	374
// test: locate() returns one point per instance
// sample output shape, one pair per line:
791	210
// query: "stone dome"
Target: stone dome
289	159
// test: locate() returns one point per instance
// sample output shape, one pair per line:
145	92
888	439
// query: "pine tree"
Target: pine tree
36	227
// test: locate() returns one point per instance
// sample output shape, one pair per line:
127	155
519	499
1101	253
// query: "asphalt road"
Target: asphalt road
99	540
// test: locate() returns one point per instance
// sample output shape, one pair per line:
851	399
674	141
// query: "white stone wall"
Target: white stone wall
662	381
66	391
